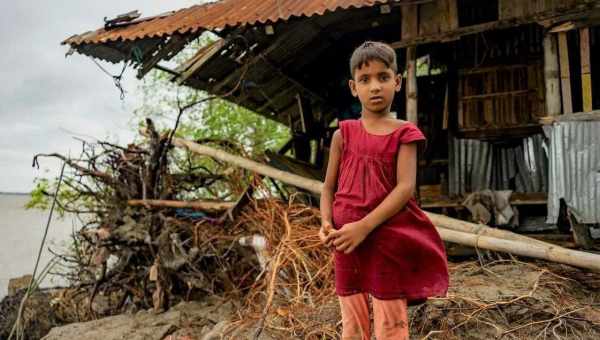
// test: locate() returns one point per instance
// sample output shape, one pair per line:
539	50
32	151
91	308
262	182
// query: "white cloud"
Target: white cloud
44	95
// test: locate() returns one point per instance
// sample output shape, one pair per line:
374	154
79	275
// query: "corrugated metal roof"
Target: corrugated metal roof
575	169
218	15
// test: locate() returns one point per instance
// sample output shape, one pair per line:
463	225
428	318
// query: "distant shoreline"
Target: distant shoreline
14	193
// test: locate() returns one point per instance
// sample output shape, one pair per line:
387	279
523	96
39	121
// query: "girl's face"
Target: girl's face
375	85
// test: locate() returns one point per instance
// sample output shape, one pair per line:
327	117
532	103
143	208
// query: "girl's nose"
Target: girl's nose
375	86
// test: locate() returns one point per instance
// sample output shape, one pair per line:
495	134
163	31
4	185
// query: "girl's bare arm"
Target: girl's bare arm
331	177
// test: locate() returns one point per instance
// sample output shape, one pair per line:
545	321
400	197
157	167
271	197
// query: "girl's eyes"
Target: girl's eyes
382	78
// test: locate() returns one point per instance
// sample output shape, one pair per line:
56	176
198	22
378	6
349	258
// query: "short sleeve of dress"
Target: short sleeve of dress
343	128
411	133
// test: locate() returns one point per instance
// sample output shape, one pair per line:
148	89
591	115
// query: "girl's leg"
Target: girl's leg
355	317
391	319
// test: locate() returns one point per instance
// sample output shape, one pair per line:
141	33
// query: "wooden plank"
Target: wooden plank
580	116
460	108
564	27
551	75
446	110
270	102
488	102
301	110
565	73
496	94
410	22
262	56
203	55
431	19
410	27
451	14
167	51
411	85
505	9
586	72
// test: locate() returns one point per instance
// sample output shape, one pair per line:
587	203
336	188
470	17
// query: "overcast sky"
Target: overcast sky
45	98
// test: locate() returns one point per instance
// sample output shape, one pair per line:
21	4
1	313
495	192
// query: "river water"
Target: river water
21	232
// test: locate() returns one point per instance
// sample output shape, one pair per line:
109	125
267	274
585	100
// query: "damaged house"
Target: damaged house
505	90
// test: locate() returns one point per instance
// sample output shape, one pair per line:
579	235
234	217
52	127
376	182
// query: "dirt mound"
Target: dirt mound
513	300
39	316
189	320
505	299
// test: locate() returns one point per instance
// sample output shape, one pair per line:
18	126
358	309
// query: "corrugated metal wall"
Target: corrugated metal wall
477	165
575	169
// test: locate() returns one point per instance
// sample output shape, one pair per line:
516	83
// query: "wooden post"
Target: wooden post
551	75
302	149
586	74
565	73
411	85
410	29
452	14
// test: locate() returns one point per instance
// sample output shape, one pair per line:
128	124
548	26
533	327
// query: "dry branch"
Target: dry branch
196	205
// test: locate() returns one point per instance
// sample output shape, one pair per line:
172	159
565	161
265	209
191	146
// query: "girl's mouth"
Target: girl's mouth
376	99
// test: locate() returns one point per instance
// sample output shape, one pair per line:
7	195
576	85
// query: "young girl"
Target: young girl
384	244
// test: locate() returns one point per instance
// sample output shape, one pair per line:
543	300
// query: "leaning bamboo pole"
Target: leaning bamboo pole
293	179
444	221
450	229
547	252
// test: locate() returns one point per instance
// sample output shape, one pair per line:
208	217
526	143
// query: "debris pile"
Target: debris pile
164	227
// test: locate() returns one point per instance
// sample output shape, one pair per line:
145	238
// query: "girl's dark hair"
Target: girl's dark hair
373	50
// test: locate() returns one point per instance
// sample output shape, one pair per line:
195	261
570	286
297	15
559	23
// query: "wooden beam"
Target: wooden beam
580	116
410	22
588	19
565	73
547	18
551	75
459	103
166	51
301	110
298	84
269	103
262	57
200	58
446	112
451	9
281	39
586	72
410	30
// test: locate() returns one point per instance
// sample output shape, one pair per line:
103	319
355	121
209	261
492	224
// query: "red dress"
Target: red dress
402	258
